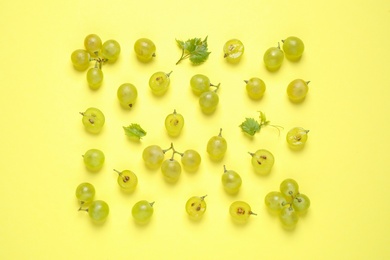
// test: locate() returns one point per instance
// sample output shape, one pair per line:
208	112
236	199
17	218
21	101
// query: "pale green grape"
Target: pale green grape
255	88
297	90
174	123
110	50
240	211
85	192
273	58
93	44
93	120
159	82
275	201
191	160
142	211
94	159
145	49
217	146
297	137
127	95
233	50
98	211
289	217
231	181
153	156
293	47
171	170
127	180
196	206
289	188
94	78
301	203
200	83
208	101
80	59
262	161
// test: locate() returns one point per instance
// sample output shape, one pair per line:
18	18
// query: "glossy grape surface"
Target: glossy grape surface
273	58
93	44
98	211
153	156
80	59
199	84
145	49
85	192
171	170
127	95
191	160
94	159
255	88
110	50
95	78
231	181
208	101
217	147
293	48
142	211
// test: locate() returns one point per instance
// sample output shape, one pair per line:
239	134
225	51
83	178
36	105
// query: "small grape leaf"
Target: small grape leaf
195	49
134	131
250	126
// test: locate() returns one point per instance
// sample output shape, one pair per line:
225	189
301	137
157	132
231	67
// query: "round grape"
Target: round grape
85	192
127	180
301	203
262	161
94	159
217	146
240	211
297	90
174	123
93	44
273	58
233	50
171	170
153	156
98	211
199	84
142	211
255	88
297	137
127	95
293	47
231	181
190	160
159	83
289	188
93	120
80	59
196	207
145	49
95	78
208	101
110	50
275	201
289	217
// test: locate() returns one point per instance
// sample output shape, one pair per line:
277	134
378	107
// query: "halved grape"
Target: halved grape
262	161
297	137
93	120
127	180
174	123
233	50
240	211
159	82
196	206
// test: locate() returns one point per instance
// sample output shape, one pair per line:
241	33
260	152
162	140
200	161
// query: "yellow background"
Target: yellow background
343	169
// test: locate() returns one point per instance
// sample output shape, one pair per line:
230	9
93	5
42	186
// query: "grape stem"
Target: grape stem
173	149
183	56
216	87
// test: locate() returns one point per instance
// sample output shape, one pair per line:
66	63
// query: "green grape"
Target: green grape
159	82
142	211
190	160
127	95
80	59
262	161
293	47
110	50
174	123
289	188
95	78
94	159
208	101
240	211
233	50
98	211
93	120
297	137
171	170
127	180
275	201
231	181
200	83
301	203
196	207
93	44
217	146
289	217
297	90
153	156
85	192
273	58
255	88
145	49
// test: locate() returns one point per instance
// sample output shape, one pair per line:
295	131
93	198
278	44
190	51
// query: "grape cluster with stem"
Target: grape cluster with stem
98	210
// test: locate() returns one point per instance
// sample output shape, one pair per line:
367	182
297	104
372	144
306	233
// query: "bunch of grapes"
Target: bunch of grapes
208	99
98	210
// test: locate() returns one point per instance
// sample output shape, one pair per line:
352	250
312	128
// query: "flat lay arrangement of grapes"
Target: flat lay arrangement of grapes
288	202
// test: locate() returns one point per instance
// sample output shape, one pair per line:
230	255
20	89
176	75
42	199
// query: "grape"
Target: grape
190	160
196	207
145	49
153	156
297	137
301	203
93	44
94	159
289	217
127	95
275	201
293	47
240	211
231	181
110	50
217	146
289	188
94	78
98	211
262	161
174	123
127	180
142	211
255	88
80	59
85	192
233	50
200	83
297	90
159	82
93	120
171	170
273	58
208	101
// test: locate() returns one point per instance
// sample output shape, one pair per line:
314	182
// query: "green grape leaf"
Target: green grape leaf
250	126
195	49
134	131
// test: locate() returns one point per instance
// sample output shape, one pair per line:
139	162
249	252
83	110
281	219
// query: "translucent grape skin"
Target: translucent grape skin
159	83
199	84
111	50
190	160
255	88
240	211
85	192
95	78
196	207
273	58
153	156
297	90
174	123
93	44
208	101
217	147
80	59
142	211
94	159
145	49
98	211
231	181
288	217
293	48
297	138
93	120
262	161
289	188
233	50
301	203
127	180
275	201
127	95
171	170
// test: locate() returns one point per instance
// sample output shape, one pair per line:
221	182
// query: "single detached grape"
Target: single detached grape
174	123
127	95
171	170
196	207
159	82
217	146
127	180
297	90
289	188
94	159
142	211
233	50
95	78
153	156
273	58
231	181
255	88
301	203
208	101
200	83
240	211
85	192
145	49
110	50
275	201
190	160
293	47
80	59
289	217
93	120
297	137
98	211
93	44
262	161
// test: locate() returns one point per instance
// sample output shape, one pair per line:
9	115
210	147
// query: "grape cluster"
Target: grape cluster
98	210
208	99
